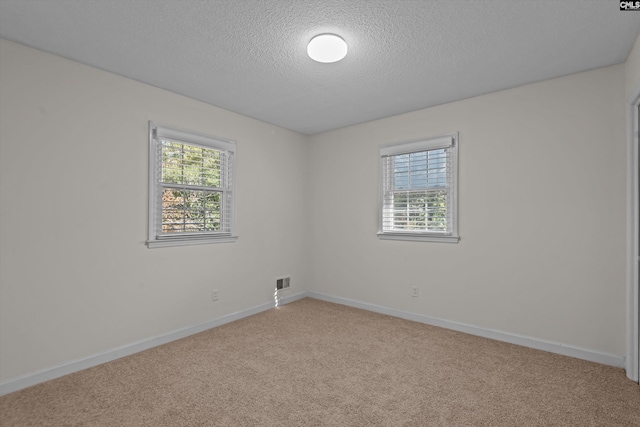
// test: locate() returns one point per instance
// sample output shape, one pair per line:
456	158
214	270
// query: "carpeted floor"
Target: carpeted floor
313	363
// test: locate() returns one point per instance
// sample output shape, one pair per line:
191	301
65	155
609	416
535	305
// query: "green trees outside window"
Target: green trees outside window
192	188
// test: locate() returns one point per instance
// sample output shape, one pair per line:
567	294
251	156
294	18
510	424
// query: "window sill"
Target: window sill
418	237
189	242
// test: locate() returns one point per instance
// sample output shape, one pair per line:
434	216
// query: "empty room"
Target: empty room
319	213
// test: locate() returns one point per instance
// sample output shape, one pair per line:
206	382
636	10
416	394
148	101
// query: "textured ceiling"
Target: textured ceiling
249	56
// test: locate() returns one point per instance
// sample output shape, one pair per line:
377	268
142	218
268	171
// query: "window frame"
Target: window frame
450	141
155	240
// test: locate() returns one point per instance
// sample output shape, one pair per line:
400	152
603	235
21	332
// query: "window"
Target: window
191	188
419	190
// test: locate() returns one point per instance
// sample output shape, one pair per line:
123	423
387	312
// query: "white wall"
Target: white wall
542	214
76	278
632	69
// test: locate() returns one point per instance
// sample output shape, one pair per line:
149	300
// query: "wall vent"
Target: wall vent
283	283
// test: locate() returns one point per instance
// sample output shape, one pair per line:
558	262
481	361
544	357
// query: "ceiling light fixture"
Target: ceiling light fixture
327	48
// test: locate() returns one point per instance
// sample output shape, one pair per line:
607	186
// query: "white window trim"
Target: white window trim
445	141
156	131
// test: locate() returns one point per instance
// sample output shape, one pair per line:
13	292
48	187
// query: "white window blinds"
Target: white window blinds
192	194
419	189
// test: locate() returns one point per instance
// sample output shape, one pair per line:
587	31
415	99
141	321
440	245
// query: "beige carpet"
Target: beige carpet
313	363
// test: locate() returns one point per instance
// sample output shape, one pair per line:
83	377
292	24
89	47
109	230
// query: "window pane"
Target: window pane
416	211
400	172
436	211
185	211
437	176
419	170
190	165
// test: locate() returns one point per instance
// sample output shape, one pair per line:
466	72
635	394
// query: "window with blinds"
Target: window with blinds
192	188
419	190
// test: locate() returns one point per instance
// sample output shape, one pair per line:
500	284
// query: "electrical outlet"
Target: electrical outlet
214	295
414	291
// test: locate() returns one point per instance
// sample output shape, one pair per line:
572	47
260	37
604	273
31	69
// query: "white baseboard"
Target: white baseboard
538	344
126	350
88	362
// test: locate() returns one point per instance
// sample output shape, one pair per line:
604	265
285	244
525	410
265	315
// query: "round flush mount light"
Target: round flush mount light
327	48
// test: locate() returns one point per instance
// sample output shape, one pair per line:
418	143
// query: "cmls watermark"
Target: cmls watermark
629	5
